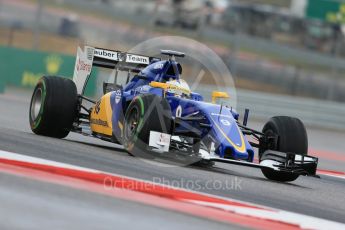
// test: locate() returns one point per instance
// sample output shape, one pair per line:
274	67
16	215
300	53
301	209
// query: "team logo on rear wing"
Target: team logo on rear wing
121	56
83	67
131	58
89	57
107	54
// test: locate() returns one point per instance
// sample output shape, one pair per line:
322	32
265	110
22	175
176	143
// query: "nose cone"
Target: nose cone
228	132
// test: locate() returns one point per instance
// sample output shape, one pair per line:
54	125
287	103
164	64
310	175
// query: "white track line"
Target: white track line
304	221
259	211
35	160
330	174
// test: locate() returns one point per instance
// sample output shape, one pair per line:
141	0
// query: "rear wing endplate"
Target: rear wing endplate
89	57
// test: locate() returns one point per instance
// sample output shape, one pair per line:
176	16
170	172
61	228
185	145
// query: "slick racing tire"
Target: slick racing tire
292	138
147	112
53	107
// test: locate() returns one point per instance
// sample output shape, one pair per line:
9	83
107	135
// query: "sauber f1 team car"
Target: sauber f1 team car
155	114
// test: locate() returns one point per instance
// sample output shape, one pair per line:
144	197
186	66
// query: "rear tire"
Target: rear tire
53	107
145	113
292	138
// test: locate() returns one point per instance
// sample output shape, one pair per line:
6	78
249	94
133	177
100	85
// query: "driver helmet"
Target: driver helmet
179	88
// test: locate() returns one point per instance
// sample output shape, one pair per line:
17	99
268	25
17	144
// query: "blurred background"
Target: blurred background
286	56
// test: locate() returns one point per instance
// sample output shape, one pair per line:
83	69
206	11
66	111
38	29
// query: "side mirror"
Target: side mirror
218	94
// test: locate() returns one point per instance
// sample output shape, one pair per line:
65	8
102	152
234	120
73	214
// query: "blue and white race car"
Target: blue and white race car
155	115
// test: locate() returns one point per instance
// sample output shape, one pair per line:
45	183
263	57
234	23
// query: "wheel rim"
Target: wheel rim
268	132
132	122
36	104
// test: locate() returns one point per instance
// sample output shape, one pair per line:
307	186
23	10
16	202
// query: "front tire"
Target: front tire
292	138
145	113
53	107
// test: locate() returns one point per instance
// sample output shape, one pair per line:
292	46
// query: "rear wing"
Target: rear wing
121	61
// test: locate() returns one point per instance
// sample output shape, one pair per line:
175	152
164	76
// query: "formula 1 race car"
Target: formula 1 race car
155	115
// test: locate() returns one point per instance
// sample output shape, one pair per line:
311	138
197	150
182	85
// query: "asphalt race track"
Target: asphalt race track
27	204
